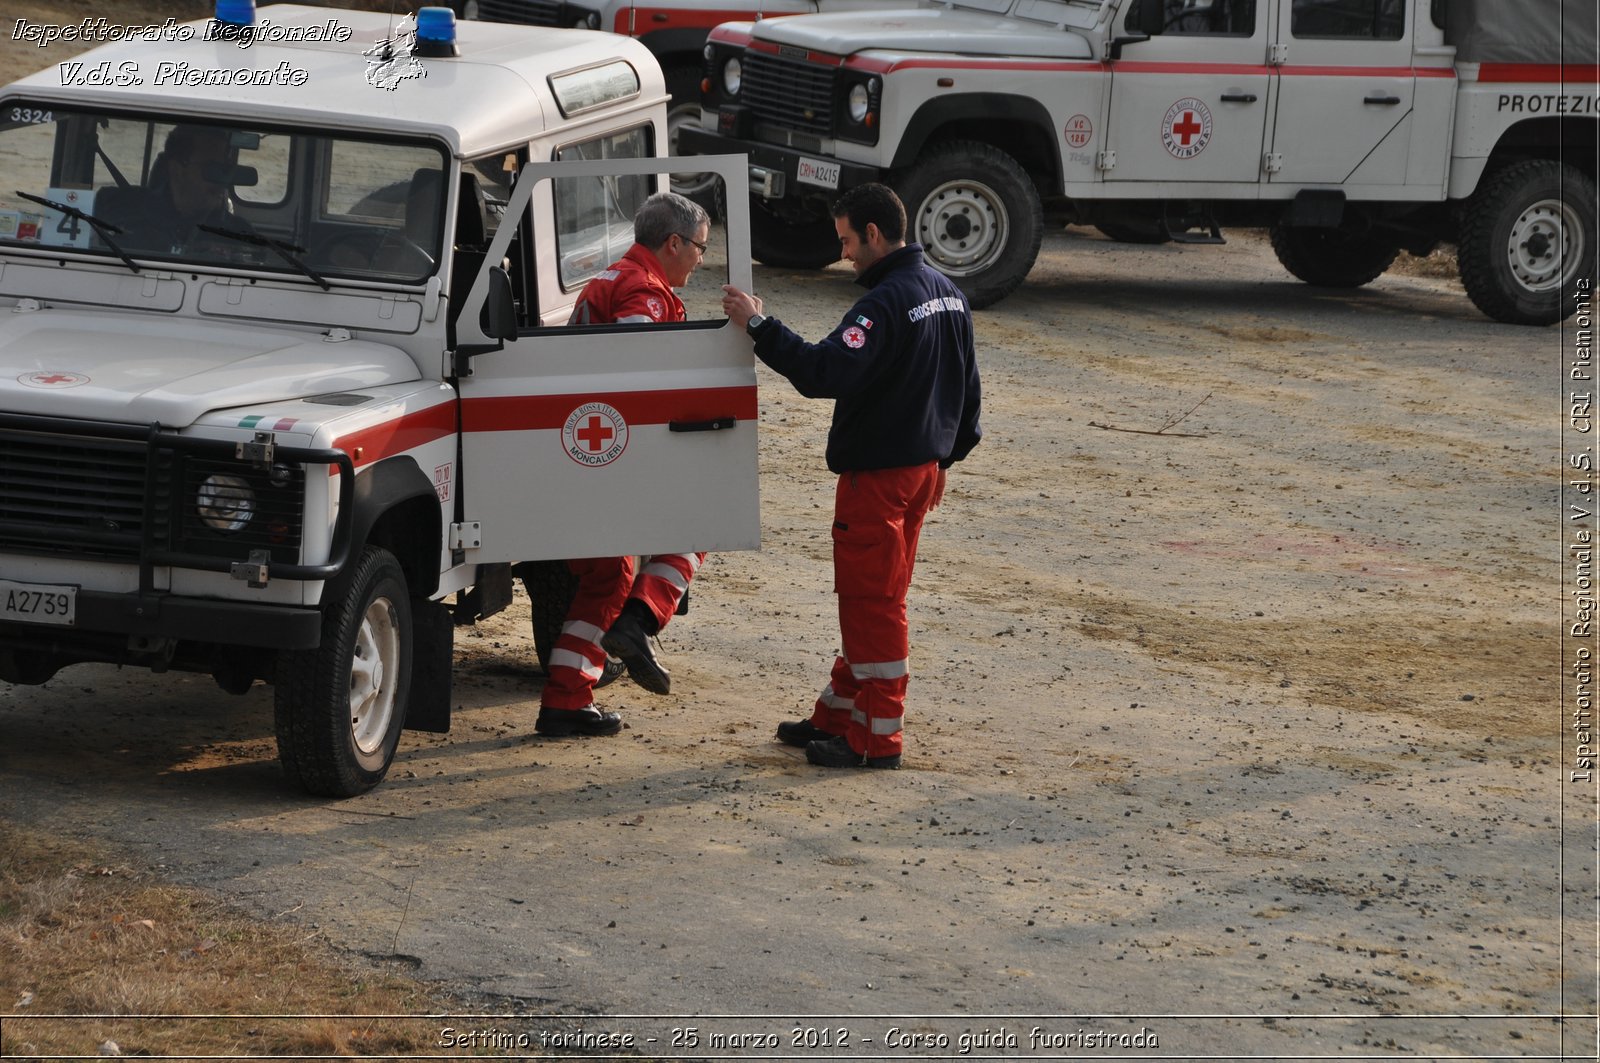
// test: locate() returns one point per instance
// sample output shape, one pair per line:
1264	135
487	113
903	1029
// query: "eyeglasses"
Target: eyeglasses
698	245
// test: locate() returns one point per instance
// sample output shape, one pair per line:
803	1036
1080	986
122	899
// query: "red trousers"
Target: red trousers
604	585
877	519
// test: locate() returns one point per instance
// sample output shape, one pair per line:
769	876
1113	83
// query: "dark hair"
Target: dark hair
182	140
874	204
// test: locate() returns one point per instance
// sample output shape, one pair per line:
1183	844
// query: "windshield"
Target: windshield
168	189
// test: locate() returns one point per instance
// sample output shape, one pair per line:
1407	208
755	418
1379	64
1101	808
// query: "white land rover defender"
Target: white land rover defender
674	31
1349	128
299	441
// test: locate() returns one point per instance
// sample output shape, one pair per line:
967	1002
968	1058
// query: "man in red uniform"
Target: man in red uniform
670	234
904	376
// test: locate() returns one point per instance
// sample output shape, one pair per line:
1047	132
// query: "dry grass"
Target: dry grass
89	945
1441	263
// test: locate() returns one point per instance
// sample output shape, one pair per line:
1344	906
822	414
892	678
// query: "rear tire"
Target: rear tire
1527	239
810	243
551	586
339	708
1152	232
1332	258
977	216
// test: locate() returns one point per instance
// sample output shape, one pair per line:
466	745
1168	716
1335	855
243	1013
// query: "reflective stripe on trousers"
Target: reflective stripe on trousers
878	519
663	581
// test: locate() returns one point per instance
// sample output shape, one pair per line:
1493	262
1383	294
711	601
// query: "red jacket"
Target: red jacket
633	291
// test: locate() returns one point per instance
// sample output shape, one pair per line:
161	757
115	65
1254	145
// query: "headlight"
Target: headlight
732	76
589	21
225	503
860	101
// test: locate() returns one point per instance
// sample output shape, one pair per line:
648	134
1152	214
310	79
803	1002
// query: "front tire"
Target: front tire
683	85
1527	240
977	216
340	707
1332	258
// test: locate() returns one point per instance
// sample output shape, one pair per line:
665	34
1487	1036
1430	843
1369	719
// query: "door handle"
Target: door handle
715	424
1385	101
1238	97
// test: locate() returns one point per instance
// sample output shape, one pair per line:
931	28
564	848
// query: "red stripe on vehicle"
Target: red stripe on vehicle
1543	72
1371	71
385	440
647	19
526	413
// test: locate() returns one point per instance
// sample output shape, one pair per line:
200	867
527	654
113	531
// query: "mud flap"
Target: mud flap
432	652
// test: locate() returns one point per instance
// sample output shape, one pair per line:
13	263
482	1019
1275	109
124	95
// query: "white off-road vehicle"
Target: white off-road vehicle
1349	128
300	441
674	31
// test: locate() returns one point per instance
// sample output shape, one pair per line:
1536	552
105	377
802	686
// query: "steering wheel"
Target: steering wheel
373	251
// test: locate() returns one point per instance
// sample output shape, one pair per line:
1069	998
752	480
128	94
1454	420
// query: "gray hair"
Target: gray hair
666	213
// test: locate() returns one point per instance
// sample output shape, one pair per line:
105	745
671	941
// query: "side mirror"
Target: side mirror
500	308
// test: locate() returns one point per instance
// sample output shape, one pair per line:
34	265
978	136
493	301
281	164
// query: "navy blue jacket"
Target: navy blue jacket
900	366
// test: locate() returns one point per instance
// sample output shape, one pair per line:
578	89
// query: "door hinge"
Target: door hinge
1277	54
1272	162
466	535
1106	160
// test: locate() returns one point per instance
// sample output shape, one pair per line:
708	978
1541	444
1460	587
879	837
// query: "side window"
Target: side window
486	186
1372	20
594	215
1201	18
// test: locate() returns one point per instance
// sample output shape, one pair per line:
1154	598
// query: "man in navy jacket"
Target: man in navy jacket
903	375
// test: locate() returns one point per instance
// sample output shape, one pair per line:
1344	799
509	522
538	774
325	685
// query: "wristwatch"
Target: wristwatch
755	324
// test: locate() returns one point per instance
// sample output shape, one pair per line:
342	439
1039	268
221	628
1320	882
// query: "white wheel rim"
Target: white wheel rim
1545	247
373	669
962	225
678	118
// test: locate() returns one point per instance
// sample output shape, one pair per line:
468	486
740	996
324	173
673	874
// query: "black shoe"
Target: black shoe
590	722
801	732
836	753
627	640
610	672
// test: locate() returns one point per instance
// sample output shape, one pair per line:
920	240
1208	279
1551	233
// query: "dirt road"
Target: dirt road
1245	736
1259	717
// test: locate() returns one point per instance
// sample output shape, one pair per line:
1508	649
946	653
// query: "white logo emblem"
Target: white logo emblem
390	61
854	337
656	307
51	379
595	434
1186	128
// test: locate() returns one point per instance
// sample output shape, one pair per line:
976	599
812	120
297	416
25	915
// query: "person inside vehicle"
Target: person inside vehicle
192	185
613	612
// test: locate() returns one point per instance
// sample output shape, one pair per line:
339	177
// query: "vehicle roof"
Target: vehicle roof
492	95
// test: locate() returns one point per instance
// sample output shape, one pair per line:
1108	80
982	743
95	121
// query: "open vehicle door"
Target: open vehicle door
595	441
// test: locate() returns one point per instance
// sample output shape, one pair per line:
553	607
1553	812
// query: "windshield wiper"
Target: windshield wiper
285	250
104	228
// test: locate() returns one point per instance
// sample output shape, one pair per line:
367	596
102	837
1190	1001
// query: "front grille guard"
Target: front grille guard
158	442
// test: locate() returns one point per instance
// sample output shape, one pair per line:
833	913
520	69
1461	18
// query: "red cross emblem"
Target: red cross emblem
1186	128
56	379
594	434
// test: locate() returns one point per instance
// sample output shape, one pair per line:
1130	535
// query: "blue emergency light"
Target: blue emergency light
236	12
436	33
